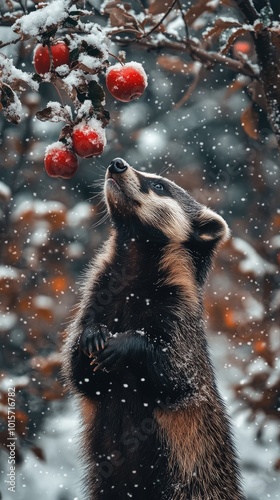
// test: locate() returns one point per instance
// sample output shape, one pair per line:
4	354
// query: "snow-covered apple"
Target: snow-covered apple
60	54
60	161
57	55
88	139
41	59
126	81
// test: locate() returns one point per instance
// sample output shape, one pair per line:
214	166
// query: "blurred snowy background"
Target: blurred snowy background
49	231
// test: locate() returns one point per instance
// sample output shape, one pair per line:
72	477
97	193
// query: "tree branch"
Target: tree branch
207	58
269	65
248	10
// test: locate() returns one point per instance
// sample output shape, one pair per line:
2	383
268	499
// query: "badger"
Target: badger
136	354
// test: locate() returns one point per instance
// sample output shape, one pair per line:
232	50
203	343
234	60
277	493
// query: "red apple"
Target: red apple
88	140
60	54
60	161
126	81
41	59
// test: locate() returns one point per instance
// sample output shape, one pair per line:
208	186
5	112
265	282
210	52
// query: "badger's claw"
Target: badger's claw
93	339
113	357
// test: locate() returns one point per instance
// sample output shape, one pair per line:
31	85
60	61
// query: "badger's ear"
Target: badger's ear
211	227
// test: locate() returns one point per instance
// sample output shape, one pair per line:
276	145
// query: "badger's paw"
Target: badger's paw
112	357
93	339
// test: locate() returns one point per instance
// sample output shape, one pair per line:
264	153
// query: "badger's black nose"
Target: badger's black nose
117	166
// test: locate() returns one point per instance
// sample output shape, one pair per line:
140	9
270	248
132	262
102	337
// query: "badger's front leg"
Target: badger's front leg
93	338
120	350
112	352
108	352
148	359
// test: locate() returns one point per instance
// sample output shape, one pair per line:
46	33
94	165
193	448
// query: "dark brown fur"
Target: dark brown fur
155	427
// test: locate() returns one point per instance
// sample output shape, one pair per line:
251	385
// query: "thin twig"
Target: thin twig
161	20
191	88
184	20
16	40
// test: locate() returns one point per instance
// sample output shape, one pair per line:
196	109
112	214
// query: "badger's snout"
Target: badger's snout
118	166
119	183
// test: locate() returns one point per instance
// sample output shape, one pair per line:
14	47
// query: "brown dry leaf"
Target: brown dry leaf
53	393
257	93
220	26
56	217
249	121
175	64
10	102
119	19
195	11
237	84
59	283
228	3
277	465
54	113
22	420
275	36
47	365
159	7
39	453
236	33
42	312
10	281
115	3
276	220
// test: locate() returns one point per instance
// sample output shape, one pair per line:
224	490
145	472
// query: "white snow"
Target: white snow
8	321
14	110
74	79
41	19
41	234
5	192
253	262
213	4
275	241
92	37
174	26
60	474
55	145
84	109
43	302
59	111
79	214
89	61
39	207
20	381
8	272
9	73
62	70
152	141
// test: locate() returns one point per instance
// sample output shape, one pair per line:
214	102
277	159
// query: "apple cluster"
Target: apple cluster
86	136
86	139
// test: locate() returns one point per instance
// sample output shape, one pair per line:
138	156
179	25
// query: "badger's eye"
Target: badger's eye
158	186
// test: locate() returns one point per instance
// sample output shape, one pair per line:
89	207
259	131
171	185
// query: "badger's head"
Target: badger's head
149	206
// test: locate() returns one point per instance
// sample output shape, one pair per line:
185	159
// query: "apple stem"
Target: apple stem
59	93
116	57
